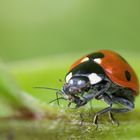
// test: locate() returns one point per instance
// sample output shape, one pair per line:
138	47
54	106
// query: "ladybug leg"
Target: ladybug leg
101	92
126	105
82	119
111	117
95	121
108	100
94	93
121	110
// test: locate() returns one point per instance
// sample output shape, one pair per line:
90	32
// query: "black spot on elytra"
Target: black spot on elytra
96	55
127	75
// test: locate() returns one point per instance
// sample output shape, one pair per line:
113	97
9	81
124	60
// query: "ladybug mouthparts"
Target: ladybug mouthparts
75	99
73	95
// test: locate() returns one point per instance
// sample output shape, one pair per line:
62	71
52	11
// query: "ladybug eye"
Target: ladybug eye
71	82
78	81
81	82
75	82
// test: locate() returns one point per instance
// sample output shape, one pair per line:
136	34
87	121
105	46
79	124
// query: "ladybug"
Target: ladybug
102	75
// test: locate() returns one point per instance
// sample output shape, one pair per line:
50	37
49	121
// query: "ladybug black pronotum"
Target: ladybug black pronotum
102	75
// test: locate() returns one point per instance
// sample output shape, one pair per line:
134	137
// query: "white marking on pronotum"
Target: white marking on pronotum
84	59
68	77
94	78
97	60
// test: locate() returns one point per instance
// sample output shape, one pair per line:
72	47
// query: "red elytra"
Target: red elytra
115	66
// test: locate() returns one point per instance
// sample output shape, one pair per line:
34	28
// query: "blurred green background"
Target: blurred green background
40	39
32	28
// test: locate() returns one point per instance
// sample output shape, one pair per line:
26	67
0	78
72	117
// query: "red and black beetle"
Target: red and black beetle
102	75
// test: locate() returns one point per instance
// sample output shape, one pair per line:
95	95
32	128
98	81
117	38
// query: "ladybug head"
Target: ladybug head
76	84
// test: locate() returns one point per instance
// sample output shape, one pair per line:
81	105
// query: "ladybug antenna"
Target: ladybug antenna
57	99
58	91
55	89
